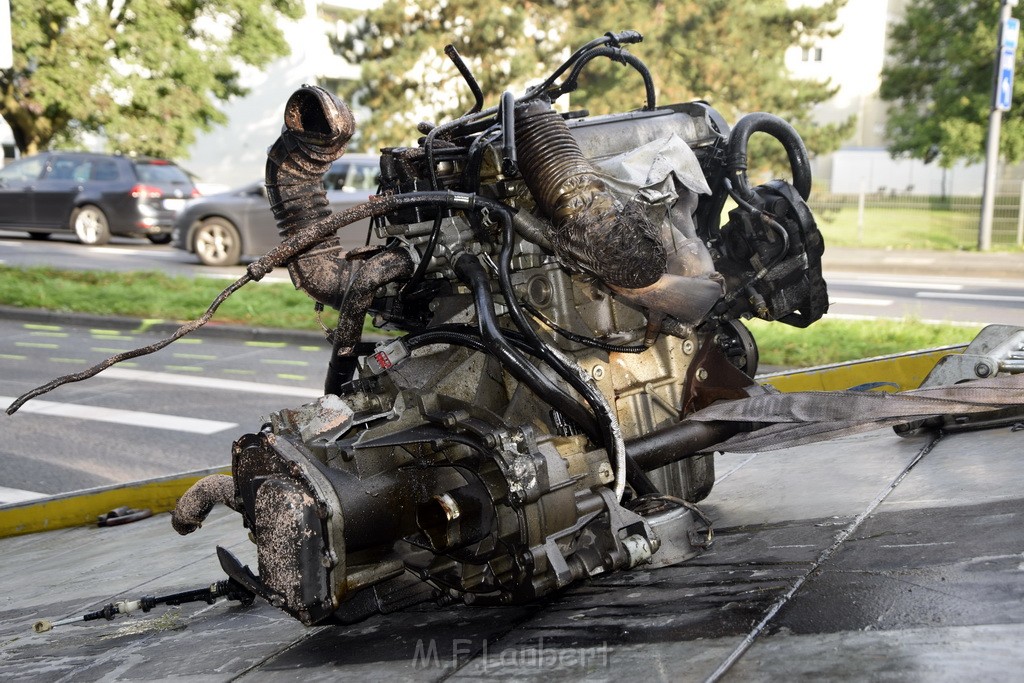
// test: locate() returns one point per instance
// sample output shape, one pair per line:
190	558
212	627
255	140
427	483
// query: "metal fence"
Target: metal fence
893	219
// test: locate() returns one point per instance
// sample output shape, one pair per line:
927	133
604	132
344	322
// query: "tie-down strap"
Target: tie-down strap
804	417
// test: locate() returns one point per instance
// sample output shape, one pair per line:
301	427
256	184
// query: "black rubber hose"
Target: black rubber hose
616	39
509	163
606	421
461	335
781	130
616	54
579	338
470	271
474	87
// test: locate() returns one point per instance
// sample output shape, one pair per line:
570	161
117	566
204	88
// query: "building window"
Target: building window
809	54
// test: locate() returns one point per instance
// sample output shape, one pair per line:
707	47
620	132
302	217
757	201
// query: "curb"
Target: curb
936	264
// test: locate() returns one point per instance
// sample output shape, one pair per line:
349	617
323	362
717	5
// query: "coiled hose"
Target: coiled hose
592	230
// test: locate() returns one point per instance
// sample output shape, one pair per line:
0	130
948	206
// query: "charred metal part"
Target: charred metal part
491	456
197	502
373	274
592	230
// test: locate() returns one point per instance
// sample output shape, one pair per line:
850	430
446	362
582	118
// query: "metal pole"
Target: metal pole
860	213
1020	217
995	120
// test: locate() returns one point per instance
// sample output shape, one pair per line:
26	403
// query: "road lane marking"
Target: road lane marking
894	284
283	361
134	418
46	328
905	319
183	368
210	383
195	356
970	297
67	360
8	495
298	378
60	335
12	356
267	344
859	301
37	345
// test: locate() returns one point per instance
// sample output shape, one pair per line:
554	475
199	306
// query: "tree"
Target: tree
145	75
728	52
406	77
939	82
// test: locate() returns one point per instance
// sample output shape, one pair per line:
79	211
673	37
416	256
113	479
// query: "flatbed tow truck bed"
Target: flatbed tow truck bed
871	557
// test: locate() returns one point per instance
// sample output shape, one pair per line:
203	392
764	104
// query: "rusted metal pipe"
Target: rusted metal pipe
197	502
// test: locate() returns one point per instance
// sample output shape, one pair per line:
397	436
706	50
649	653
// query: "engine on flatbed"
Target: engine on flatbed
566	294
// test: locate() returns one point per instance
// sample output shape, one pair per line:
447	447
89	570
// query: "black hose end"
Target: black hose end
312	112
628	36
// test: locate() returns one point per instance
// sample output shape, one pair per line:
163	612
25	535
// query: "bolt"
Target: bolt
982	370
702	374
689	347
597	372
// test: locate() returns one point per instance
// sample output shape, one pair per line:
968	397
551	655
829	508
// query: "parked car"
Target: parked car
223	228
93	195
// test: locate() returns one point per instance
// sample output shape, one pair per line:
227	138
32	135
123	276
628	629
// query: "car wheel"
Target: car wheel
217	243
162	238
39	235
90	225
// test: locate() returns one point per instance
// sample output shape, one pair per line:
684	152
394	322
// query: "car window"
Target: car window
352	177
104	169
161	172
23	169
65	168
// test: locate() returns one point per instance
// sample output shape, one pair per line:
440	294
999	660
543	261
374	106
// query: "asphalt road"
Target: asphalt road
934	299
177	410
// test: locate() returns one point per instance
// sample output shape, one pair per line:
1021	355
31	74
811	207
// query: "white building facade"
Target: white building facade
853	60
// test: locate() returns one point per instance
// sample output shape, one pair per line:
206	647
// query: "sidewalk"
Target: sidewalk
921	262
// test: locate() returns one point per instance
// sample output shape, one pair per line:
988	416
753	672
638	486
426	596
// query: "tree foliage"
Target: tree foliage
144	74
406	76
939	82
728	52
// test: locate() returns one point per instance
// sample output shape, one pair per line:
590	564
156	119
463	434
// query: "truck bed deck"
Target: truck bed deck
870	557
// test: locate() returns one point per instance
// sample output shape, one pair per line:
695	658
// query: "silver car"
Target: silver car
222	229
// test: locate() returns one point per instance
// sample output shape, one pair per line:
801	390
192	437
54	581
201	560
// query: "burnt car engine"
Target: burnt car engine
566	293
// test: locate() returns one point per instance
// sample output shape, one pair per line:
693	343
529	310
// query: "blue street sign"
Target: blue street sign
1004	83
1011	31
